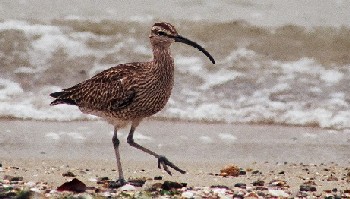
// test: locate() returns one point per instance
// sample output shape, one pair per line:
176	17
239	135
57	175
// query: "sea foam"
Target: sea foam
250	83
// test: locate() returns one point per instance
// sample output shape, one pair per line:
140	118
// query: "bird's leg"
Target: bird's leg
162	160
116	143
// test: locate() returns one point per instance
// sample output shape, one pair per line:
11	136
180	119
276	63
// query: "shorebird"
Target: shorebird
127	93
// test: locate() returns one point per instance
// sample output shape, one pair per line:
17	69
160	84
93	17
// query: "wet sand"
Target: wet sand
43	151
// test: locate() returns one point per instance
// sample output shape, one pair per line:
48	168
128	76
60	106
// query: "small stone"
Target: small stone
12	178
82	172
242	172
156	186
35	189
158	178
230	170
259	183
256	172
106	194
102	179
68	174
307	188
237	196
332	178
169	185
278	193
75	186
278	183
240	185
281	173
251	196
261	188
30	184
187	194
128	187
310	182
219	187
137	182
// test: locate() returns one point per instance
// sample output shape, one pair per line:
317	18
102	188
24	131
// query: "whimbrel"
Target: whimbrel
127	93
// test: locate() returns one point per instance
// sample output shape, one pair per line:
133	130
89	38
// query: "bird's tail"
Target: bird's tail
62	97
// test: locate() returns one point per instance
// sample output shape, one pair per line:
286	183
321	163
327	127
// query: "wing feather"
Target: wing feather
111	89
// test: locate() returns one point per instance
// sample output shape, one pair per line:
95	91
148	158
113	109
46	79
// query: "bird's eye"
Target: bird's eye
161	33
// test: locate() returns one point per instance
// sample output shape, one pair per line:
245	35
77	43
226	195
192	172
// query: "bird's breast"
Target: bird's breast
153	96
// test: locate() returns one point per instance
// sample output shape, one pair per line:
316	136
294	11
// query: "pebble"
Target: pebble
102	178
278	193
278	183
106	194
240	185
307	188
127	187
168	185
156	186
332	178
12	178
30	184
258	183
230	170
36	190
158	178
75	186
187	194
251	196
242	172
68	174
256	172
137	182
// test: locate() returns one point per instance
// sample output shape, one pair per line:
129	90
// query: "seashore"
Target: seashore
294	160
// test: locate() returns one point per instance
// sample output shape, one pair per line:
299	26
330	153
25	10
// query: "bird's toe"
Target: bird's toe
164	162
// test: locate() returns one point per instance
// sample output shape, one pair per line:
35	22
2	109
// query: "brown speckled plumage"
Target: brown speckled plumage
131	92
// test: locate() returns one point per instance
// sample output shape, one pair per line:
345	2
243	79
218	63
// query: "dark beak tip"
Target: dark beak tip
179	38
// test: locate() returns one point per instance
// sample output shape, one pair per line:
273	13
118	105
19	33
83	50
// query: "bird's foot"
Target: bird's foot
163	161
116	184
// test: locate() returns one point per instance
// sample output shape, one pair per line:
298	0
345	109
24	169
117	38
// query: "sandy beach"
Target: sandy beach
43	151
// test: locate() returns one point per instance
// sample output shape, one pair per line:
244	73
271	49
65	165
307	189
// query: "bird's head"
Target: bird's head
164	34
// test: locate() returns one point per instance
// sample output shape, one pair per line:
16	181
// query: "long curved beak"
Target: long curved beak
179	38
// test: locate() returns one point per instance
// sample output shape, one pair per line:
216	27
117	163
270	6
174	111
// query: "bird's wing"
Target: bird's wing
111	89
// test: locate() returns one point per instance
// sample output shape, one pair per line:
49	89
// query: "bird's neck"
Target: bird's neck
162	59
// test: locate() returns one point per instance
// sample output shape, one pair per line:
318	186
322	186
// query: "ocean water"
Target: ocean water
278	62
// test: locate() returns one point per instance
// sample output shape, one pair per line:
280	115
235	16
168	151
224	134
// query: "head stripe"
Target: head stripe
166	26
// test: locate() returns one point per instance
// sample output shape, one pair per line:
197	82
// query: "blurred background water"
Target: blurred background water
278	62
